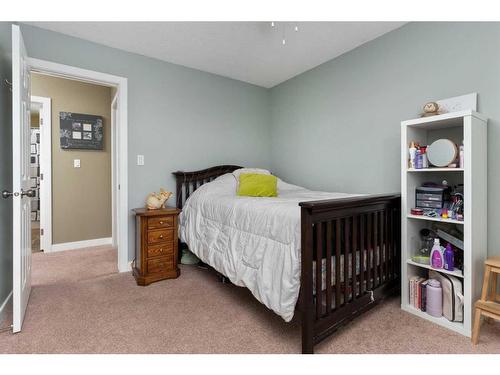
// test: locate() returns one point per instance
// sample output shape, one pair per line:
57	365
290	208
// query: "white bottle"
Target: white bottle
413	153
425	161
461	156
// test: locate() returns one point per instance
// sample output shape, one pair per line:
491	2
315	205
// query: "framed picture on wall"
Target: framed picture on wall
81	131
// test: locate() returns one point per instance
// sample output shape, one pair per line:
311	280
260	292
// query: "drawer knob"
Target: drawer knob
161	235
161	250
161	222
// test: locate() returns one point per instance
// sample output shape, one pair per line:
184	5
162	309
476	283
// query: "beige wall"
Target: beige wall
81	197
35	118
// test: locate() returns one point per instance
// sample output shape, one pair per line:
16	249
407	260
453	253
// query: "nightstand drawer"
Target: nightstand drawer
161	250
157	236
162	264
160	222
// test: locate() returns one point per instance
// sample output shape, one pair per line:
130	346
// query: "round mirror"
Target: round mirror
442	153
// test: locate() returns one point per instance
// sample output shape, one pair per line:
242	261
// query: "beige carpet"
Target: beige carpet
79	304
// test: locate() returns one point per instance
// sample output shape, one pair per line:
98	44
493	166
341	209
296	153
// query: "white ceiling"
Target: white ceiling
246	51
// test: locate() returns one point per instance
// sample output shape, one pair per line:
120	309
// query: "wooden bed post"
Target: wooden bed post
307	283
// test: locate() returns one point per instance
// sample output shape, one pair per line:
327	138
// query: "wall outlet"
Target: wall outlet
140	159
76	163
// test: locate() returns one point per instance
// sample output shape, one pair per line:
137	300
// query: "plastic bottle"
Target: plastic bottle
449	261
425	161
413	152
437	259
418	159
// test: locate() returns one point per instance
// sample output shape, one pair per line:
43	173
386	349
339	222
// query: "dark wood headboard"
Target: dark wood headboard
188	182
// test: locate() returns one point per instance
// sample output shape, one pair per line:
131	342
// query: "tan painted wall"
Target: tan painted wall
35	119
81	197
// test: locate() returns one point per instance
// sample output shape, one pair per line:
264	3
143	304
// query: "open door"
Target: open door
21	99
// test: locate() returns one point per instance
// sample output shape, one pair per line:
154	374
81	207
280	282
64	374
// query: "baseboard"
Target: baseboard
4	308
81	244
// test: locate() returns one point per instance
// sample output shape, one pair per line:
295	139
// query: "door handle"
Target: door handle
6	194
28	193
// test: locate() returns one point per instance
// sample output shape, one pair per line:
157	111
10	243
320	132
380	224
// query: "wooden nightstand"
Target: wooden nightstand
156	248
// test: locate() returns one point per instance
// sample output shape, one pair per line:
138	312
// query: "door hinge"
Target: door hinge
41	121
118	186
41	176
41	232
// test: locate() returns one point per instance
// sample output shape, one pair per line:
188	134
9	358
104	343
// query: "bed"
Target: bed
326	256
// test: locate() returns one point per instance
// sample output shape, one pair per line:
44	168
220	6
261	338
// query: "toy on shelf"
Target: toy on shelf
430	109
155	201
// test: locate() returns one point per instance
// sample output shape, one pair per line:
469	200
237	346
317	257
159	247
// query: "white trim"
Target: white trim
46	170
81	244
121	83
3	307
114	170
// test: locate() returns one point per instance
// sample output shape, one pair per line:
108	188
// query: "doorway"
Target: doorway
22	68
79	171
119	163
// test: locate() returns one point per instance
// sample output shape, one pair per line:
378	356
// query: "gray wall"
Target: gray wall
6	164
179	118
337	127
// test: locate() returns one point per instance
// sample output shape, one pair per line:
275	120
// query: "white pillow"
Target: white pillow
237	172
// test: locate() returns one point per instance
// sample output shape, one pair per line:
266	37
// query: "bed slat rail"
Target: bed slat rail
350	259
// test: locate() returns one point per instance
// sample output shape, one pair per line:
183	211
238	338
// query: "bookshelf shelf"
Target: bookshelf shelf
470	129
456	273
422	217
423	170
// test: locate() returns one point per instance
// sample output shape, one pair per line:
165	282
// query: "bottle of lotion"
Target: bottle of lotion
413	153
437	259
425	161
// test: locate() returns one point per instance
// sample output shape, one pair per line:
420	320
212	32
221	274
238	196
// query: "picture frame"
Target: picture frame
81	131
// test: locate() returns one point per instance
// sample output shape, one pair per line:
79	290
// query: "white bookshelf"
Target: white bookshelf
471	128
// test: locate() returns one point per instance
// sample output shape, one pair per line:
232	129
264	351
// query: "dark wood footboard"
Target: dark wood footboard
350	260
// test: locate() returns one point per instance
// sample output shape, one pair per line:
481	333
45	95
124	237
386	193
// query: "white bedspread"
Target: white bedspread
255	242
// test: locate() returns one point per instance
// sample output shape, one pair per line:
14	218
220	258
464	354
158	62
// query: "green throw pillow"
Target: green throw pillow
258	185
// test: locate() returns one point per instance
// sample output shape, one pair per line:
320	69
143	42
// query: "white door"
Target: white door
21	216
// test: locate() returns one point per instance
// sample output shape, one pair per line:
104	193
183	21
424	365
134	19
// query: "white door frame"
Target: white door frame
120	188
114	170
45	171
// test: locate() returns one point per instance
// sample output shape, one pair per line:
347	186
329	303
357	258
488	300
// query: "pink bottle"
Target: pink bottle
434	297
437	259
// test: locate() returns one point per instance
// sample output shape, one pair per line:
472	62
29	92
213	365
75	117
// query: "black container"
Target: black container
431	197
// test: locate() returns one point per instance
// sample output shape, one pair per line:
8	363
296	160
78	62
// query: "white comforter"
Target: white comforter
255	242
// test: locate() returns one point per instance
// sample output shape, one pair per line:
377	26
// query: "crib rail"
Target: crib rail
350	260
188	182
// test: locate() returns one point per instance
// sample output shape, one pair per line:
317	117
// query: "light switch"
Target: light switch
140	159
76	163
